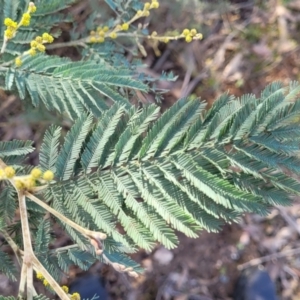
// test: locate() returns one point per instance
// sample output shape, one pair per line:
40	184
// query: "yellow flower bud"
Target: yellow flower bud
193	32
75	296
39	39
139	13
30	183
33	44
125	26
93	39
101	33
32	7
113	35
26	16
18	62
48	175
10	23
9	172
154	4
186	32
65	288
147	6
166	40
9	33
25	21
188	38
39	276
32	51
41	47
47	38
105	28
147	13
100	39
19	184
36	173
46	283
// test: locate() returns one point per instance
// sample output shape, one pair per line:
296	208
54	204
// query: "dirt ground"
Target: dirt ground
245	47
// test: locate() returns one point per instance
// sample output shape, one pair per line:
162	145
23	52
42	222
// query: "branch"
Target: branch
94	235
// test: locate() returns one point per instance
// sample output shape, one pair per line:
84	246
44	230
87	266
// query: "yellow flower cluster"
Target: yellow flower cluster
31	7
75	296
28	181
99	35
38	43
65	288
7	173
41	277
46	283
147	6
25	21
191	35
12	26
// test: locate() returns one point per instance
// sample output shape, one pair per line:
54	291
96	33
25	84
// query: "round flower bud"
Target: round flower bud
125	26
154	4
113	35
186	32
39	276
9	172
18	62
75	296
32	51
188	38
65	288
41	47
39	39
100	39
48	175
139	13
147	6
93	39
193	32
9	33
46	283
36	173
19	184
32	7
101	33
33	44
30	183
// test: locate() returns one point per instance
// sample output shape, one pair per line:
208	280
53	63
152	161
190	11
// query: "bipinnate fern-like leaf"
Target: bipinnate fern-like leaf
70	87
140	176
47	15
7	266
37	297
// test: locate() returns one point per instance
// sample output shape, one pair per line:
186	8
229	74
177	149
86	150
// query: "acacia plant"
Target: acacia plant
125	177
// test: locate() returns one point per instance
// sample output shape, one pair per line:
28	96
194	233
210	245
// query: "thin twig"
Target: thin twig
274	256
17	251
26	267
